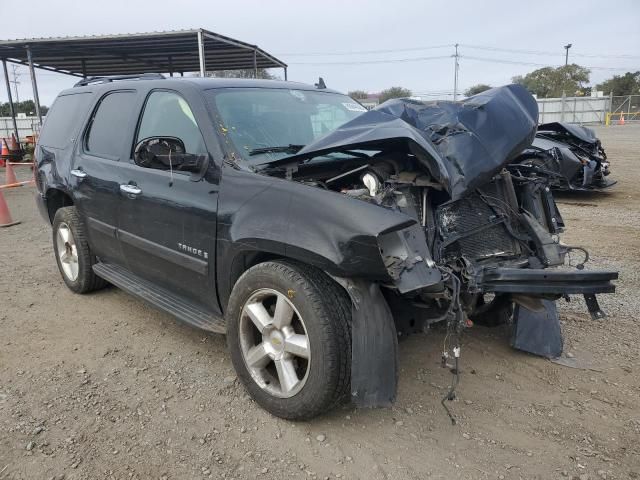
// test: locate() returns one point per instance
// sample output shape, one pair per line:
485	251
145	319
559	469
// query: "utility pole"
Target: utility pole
15	81
566	56
455	75
564	95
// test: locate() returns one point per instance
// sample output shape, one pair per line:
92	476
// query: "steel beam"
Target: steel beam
41	67
13	112
255	64
203	66
34	85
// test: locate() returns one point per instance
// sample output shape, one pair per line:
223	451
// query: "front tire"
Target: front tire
72	251
288	331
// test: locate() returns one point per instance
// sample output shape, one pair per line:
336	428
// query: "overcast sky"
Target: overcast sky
296	30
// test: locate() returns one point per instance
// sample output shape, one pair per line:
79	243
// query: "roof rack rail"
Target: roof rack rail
107	79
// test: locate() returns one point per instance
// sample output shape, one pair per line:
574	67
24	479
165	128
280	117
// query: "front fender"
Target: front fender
322	228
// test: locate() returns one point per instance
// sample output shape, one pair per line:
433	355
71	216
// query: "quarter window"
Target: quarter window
109	125
62	122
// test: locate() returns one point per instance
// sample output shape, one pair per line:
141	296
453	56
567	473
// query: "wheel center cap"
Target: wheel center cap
276	339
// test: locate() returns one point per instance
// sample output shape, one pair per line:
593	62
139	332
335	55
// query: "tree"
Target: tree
28	107
476	89
627	84
550	82
394	92
244	73
358	94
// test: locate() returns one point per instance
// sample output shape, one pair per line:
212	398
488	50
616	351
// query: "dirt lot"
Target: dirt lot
103	386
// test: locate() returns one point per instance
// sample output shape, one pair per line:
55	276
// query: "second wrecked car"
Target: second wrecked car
309	231
571	155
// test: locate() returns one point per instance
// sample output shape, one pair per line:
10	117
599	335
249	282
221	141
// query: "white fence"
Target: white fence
26	126
573	109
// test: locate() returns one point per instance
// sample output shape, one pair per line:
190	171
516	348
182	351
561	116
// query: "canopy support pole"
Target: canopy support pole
201	54
13	112
255	63
34	85
285	73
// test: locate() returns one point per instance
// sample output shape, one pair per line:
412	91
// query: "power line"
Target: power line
439	57
466	45
365	52
361	62
546	53
516	62
15	81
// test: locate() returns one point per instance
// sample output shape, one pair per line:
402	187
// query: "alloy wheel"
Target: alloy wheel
274	343
67	251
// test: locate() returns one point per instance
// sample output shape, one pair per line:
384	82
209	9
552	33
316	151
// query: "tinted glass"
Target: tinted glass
268	117
110	124
167	114
63	120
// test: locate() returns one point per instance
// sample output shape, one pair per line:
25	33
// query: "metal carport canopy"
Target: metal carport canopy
171	51
177	51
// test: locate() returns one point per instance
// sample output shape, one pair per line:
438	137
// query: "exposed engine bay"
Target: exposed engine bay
512	221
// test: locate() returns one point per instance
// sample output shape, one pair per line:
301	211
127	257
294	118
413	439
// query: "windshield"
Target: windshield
266	124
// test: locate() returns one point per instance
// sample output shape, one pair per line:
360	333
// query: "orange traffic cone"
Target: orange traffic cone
621	121
14	143
10	175
5	216
5	149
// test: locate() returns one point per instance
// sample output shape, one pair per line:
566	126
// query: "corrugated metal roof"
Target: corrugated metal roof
121	54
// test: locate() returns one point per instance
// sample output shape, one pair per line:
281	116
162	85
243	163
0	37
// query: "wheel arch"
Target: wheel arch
55	200
374	359
230	269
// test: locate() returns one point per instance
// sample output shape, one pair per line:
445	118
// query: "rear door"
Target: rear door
167	219
96	170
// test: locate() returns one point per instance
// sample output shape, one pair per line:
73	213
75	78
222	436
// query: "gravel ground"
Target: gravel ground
102	386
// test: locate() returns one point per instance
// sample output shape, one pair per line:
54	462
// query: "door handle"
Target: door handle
130	189
77	172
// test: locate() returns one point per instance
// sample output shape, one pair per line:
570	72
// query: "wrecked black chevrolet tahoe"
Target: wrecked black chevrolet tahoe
313	233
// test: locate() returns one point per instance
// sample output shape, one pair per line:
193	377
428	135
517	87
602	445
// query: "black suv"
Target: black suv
313	233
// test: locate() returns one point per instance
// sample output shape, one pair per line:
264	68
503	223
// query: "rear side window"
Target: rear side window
109	124
63	119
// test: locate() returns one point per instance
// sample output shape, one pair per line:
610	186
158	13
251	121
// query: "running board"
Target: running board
160	298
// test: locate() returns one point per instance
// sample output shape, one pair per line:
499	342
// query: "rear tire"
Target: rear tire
319	368
73	254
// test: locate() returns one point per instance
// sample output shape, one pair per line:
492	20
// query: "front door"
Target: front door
167	219
96	171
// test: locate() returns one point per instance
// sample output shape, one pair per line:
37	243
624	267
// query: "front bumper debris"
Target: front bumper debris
545	281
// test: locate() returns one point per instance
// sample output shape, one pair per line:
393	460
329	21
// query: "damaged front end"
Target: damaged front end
485	230
570	155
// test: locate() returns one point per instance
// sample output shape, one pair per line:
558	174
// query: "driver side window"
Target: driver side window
167	114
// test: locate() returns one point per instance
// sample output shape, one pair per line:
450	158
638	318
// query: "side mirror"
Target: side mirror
166	153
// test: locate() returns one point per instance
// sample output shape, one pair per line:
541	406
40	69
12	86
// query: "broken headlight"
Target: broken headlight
372	183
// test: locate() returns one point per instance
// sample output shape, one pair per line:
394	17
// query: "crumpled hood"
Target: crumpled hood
582	133
462	144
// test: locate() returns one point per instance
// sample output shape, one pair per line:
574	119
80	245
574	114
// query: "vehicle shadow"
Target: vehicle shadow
581	198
